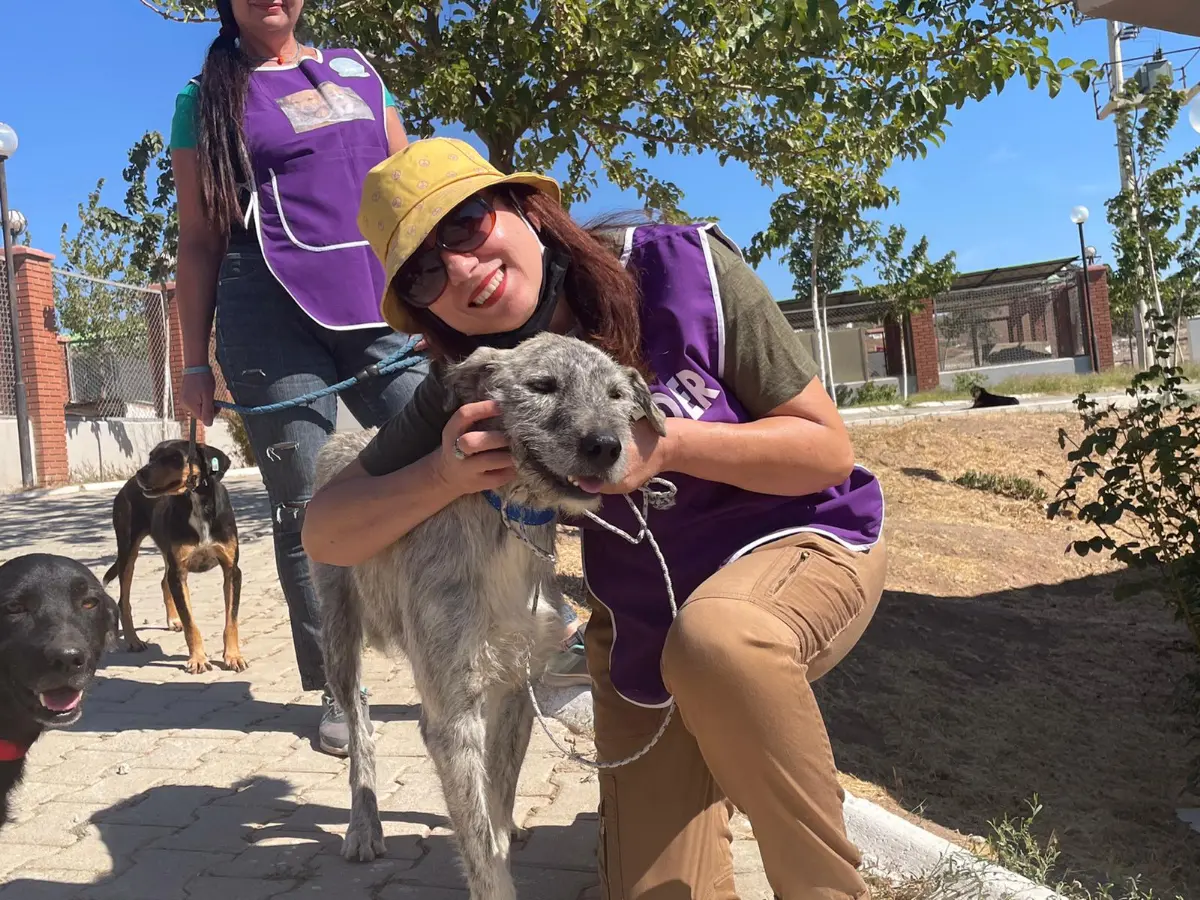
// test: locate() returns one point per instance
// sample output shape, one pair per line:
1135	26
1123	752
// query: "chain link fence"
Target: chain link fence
116	348
856	339
8	369
1013	323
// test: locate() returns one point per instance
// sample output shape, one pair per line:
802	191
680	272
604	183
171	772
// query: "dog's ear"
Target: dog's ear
112	616
218	463
645	401
467	381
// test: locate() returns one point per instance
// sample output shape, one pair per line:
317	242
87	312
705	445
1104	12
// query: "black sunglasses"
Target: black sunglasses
422	279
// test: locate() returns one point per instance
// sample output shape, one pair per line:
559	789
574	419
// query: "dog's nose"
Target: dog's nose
67	660
601	446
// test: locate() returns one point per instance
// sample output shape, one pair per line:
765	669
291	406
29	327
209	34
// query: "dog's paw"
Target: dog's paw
235	662
135	645
197	664
174	625
364	841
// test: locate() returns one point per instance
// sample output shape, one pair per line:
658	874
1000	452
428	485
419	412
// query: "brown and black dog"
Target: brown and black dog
178	500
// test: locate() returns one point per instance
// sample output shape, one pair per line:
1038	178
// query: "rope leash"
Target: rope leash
658	493
400	360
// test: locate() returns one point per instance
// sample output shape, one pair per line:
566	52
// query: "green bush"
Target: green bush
1012	486
964	381
237	431
872	394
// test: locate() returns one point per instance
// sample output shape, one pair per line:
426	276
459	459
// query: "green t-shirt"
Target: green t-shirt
767	364
183	123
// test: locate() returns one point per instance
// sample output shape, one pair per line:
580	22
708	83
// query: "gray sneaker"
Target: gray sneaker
334	733
569	665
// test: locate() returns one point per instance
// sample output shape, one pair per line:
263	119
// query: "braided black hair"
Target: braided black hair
220	145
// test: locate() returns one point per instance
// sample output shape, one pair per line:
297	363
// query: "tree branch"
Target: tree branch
176	17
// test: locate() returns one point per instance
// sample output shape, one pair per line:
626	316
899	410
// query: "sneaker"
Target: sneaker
334	733
569	665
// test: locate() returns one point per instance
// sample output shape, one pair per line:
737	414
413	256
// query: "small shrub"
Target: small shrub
237	431
872	394
1017	848
1012	486
964	381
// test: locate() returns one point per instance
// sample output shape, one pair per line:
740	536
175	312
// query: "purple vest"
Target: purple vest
711	524
313	131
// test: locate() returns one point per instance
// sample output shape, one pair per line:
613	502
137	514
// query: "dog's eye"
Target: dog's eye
12	608
545	385
615	393
90	603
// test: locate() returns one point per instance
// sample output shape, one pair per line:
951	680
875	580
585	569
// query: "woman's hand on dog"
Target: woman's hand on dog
486	462
197	395
646	457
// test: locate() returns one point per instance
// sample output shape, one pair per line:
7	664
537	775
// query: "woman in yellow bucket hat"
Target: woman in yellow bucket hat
775	538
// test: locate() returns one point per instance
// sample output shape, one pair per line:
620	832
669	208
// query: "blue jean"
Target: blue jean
270	350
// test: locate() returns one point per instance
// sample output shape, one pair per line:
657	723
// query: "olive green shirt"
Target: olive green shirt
766	365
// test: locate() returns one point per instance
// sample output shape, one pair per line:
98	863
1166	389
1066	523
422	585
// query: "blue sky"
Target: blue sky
999	192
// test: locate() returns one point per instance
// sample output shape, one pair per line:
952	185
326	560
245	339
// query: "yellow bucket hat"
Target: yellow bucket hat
406	195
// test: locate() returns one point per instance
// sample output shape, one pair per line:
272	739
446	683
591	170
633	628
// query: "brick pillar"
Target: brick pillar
175	341
42	364
924	363
1101	316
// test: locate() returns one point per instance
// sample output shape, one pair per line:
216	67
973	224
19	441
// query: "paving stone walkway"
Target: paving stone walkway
209	787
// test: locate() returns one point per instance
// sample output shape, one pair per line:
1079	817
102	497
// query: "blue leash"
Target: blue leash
397	362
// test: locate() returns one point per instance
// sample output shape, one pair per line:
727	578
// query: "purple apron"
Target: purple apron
313	130
711	524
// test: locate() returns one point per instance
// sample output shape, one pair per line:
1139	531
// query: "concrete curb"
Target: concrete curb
100	487
890	415
897	849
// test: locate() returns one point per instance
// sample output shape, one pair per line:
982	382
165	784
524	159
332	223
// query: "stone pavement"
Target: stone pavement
209	787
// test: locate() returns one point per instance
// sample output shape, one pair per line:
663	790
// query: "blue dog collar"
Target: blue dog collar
522	515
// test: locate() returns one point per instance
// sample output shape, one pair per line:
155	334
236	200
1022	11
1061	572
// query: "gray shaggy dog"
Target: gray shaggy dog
456	595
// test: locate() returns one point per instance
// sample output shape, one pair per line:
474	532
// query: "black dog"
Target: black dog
55	619
178	500
985	398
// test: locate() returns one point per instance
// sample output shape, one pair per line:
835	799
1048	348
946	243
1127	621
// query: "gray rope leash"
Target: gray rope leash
658	493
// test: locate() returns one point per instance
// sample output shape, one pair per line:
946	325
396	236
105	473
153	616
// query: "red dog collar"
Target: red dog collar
10	752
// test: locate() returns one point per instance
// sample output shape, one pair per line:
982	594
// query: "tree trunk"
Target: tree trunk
816	310
828	347
904	358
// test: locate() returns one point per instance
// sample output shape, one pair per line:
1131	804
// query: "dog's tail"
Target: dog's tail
111	573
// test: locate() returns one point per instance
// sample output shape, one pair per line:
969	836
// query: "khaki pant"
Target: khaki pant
747	732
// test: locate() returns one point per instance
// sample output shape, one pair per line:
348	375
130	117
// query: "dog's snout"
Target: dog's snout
601	447
67	659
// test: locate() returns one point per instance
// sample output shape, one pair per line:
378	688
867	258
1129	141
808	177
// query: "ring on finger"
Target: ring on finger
458	451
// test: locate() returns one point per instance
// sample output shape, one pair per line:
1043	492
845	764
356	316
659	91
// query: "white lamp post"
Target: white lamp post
1079	215
8	146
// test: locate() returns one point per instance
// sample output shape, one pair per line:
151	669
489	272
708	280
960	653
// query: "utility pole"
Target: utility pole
1116	83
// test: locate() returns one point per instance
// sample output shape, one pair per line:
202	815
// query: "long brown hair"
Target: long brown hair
220	144
602	293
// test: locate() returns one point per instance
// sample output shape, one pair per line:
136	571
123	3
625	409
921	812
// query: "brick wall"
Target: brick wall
43	367
1101	316
924	364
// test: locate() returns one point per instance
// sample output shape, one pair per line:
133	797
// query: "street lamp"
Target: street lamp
8	146
1079	215
1194	114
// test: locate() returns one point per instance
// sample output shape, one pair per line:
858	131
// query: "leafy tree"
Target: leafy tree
136	246
906	282
1155	231
794	90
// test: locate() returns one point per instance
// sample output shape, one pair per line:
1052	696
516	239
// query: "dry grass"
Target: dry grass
999	665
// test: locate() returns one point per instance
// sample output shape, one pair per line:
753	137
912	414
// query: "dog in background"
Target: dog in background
985	399
55	619
178	500
457	594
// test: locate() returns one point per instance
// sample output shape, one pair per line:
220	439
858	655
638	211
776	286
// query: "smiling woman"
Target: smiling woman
775	536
